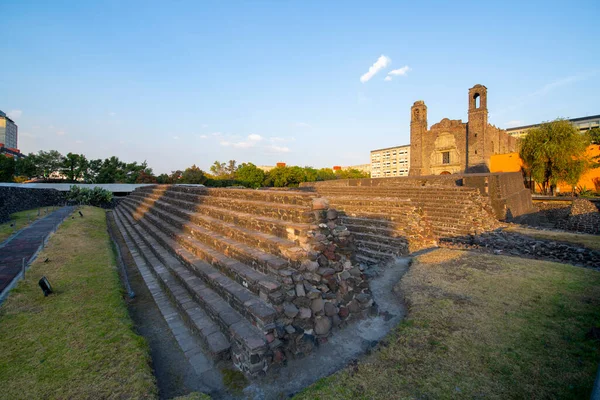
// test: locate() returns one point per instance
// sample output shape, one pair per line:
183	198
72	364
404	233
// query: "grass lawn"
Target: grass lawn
21	219
590	241
79	342
483	326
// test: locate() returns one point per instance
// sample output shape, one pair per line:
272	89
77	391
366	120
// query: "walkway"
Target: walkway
25	245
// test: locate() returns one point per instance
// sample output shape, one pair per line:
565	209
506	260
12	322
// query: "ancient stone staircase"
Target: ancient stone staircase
257	275
394	219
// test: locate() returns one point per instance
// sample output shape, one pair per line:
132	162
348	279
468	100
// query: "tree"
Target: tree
7	168
555	152
285	177
249	175
175	176
146	177
231	168
351	174
310	174
26	166
47	163
594	135
92	170
162	179
73	166
111	171
194	175
325	174
133	170
218	169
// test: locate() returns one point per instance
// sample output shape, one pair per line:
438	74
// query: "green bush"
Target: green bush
94	197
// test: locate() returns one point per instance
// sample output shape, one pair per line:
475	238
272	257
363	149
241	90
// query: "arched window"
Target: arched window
476	100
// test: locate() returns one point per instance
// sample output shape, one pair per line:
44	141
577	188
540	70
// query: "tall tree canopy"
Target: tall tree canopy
250	175
555	152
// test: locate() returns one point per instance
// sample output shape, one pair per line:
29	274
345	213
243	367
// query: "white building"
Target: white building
391	161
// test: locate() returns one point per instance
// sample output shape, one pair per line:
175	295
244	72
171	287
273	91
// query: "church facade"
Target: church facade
452	146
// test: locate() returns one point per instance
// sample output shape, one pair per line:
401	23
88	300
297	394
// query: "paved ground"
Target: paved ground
25	244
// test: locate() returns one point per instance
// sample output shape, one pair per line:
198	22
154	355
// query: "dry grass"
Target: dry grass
483	326
76	343
21	219
590	241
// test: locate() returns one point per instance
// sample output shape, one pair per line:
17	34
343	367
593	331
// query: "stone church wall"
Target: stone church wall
452	146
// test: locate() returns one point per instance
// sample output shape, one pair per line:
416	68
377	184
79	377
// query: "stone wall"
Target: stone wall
274	270
453	146
14	199
583	217
506	191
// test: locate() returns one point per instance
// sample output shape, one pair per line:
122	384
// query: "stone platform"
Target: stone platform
258	276
389	221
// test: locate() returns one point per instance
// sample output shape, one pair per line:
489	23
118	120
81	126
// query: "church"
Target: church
452	146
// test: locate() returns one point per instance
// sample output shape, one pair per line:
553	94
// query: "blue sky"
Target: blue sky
184	82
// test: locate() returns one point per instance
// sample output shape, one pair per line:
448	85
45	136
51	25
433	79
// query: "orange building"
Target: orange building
511	162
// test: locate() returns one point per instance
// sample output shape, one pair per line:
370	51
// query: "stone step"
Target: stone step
365	259
210	246
284	248
216	344
397	241
400	201
271	196
403	195
371	224
375	213
382	247
284	229
246	303
376	255
454	220
392	188
248	344
391	202
284	212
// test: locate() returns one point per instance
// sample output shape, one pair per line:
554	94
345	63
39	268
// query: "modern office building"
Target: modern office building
8	131
583	123
391	161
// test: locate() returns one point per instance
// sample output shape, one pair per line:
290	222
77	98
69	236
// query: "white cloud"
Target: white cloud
79	141
278	149
112	114
176	137
237	145
61	133
400	71
251	141
203	137
381	63
216	133
281	139
205	125
388	78
303	125
514	123
15	114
